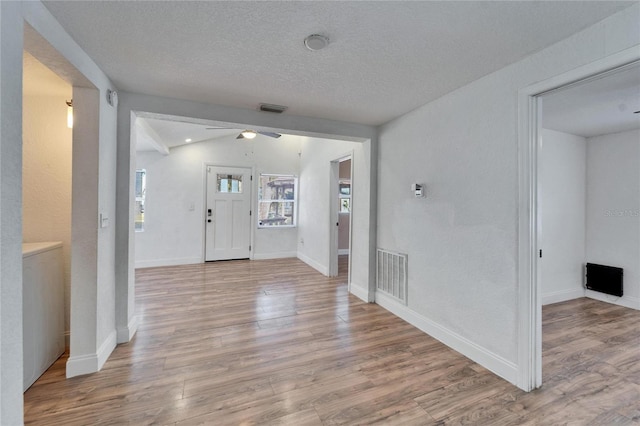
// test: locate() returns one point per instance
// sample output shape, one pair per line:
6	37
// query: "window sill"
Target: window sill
277	227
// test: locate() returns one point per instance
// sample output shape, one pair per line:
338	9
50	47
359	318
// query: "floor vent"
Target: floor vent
391	275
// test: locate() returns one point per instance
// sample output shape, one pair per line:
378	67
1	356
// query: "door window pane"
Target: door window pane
140	190
231	184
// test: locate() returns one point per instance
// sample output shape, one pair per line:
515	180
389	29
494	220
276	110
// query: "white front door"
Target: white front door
228	214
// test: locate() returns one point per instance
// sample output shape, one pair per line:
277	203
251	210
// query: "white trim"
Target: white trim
275	255
529	299
360	293
79	365
106	348
342	252
334	216
91	363
167	262
125	334
626	301
315	265
493	362
562	296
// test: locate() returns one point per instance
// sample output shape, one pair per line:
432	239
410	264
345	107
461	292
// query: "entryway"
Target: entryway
228	215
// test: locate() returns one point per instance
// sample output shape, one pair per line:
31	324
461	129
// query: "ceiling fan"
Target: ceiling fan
250	134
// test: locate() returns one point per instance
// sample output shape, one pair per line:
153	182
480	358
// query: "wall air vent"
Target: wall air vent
391	276
278	109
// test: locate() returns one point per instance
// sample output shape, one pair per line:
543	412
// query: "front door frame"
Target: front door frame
203	217
529	293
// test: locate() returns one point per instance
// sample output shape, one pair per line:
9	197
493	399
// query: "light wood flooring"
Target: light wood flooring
276	343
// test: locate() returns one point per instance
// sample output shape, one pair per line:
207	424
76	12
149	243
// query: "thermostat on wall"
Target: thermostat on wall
418	190
112	98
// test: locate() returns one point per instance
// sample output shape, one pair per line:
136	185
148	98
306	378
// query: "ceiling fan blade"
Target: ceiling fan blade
240	136
271	134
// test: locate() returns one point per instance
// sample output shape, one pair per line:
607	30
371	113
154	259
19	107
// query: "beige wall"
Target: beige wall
46	163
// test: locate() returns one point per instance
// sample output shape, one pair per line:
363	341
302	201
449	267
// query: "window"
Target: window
141	189
231	184
277	200
345	196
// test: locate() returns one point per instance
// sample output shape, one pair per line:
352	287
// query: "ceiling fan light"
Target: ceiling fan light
249	134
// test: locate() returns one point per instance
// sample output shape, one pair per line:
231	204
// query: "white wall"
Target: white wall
613	209
562	204
462	239
46	165
11	32
314	207
173	233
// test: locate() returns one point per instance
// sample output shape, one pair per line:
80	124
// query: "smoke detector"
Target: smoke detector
316	42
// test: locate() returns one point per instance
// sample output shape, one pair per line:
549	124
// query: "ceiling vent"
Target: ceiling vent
278	109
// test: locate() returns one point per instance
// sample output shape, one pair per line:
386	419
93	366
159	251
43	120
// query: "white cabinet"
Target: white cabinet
42	308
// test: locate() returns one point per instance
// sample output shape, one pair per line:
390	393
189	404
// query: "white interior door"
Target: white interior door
228	214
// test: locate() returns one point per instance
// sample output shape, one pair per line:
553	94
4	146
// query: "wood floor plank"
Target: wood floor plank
273	342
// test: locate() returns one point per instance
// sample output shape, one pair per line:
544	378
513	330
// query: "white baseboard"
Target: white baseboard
125	334
343	251
315	265
360	293
562	296
626	301
276	255
106	348
91	363
493	362
167	262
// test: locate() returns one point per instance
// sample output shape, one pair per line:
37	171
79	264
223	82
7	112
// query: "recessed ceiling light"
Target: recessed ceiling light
249	134
188	140
316	42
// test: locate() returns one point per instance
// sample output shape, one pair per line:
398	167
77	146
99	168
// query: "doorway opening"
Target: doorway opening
341	196
530	219
46	216
588	204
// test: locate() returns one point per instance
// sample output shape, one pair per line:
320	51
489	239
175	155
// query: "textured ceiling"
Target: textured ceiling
596	107
385	58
